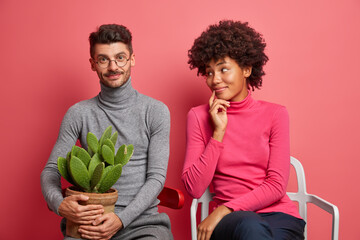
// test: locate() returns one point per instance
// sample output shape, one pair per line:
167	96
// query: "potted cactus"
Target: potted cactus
94	171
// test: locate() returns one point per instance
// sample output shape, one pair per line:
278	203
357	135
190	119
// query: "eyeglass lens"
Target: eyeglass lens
120	61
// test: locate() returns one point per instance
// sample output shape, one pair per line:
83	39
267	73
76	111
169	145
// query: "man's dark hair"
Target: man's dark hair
110	33
232	39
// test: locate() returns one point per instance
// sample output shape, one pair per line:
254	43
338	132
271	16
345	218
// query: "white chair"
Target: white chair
302	197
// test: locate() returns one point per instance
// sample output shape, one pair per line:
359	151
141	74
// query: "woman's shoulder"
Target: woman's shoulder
270	105
200	108
199	115
273	111
199	111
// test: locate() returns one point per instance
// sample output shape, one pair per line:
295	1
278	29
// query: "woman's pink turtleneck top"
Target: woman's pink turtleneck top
249	169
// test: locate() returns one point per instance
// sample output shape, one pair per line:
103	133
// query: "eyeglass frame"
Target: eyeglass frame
117	64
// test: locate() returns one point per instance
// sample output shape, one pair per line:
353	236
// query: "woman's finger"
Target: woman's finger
211	100
199	233
217	109
218	103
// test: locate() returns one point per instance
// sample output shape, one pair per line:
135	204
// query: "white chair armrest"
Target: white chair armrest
193	210
330	208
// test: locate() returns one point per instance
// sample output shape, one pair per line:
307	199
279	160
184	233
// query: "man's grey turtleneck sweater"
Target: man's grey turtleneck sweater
139	120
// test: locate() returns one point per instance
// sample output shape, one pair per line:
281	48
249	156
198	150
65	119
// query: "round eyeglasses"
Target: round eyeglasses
120	61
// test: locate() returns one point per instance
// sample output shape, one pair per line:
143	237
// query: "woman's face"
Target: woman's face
227	79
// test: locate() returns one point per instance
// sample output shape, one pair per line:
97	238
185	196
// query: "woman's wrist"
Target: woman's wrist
218	135
224	210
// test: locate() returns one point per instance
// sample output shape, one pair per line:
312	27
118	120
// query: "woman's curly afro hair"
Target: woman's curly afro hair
232	39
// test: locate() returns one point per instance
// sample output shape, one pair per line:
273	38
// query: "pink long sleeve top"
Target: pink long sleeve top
249	169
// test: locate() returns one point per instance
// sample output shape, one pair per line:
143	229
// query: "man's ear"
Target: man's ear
92	63
247	71
132	60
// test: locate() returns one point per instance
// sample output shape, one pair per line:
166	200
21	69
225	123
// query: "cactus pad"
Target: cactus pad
84	156
74	151
97	174
114	137
63	169
124	154
110	179
108	154
105	135
92	142
110	144
95	160
79	173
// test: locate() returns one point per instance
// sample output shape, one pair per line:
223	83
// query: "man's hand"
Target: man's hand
103	228
206	227
73	211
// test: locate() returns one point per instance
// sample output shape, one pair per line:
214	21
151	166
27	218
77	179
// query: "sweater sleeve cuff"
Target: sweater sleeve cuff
124	218
230	206
216	143
57	205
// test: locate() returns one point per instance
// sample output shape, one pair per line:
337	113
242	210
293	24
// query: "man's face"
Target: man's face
112	75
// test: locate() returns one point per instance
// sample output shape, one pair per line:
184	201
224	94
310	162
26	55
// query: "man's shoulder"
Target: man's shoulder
83	105
151	103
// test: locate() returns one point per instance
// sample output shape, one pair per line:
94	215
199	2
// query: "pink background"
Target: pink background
313	70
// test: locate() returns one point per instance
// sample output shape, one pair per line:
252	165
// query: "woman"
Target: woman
238	144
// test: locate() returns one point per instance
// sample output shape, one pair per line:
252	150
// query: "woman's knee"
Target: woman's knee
248	219
243	225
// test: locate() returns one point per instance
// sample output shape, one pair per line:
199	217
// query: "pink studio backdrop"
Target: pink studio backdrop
313	70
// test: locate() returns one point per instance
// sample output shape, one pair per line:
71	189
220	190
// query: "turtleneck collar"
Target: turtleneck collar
117	98
247	103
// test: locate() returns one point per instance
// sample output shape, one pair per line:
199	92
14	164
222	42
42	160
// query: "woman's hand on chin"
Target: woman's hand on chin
218	116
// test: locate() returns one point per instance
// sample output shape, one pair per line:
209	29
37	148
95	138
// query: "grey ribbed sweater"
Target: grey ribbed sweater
139	120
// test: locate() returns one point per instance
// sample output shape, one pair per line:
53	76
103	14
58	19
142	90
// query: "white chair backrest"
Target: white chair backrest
302	197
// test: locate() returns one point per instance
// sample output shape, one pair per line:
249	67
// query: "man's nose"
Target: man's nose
112	64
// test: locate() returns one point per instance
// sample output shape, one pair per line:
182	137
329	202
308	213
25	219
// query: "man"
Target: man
139	120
